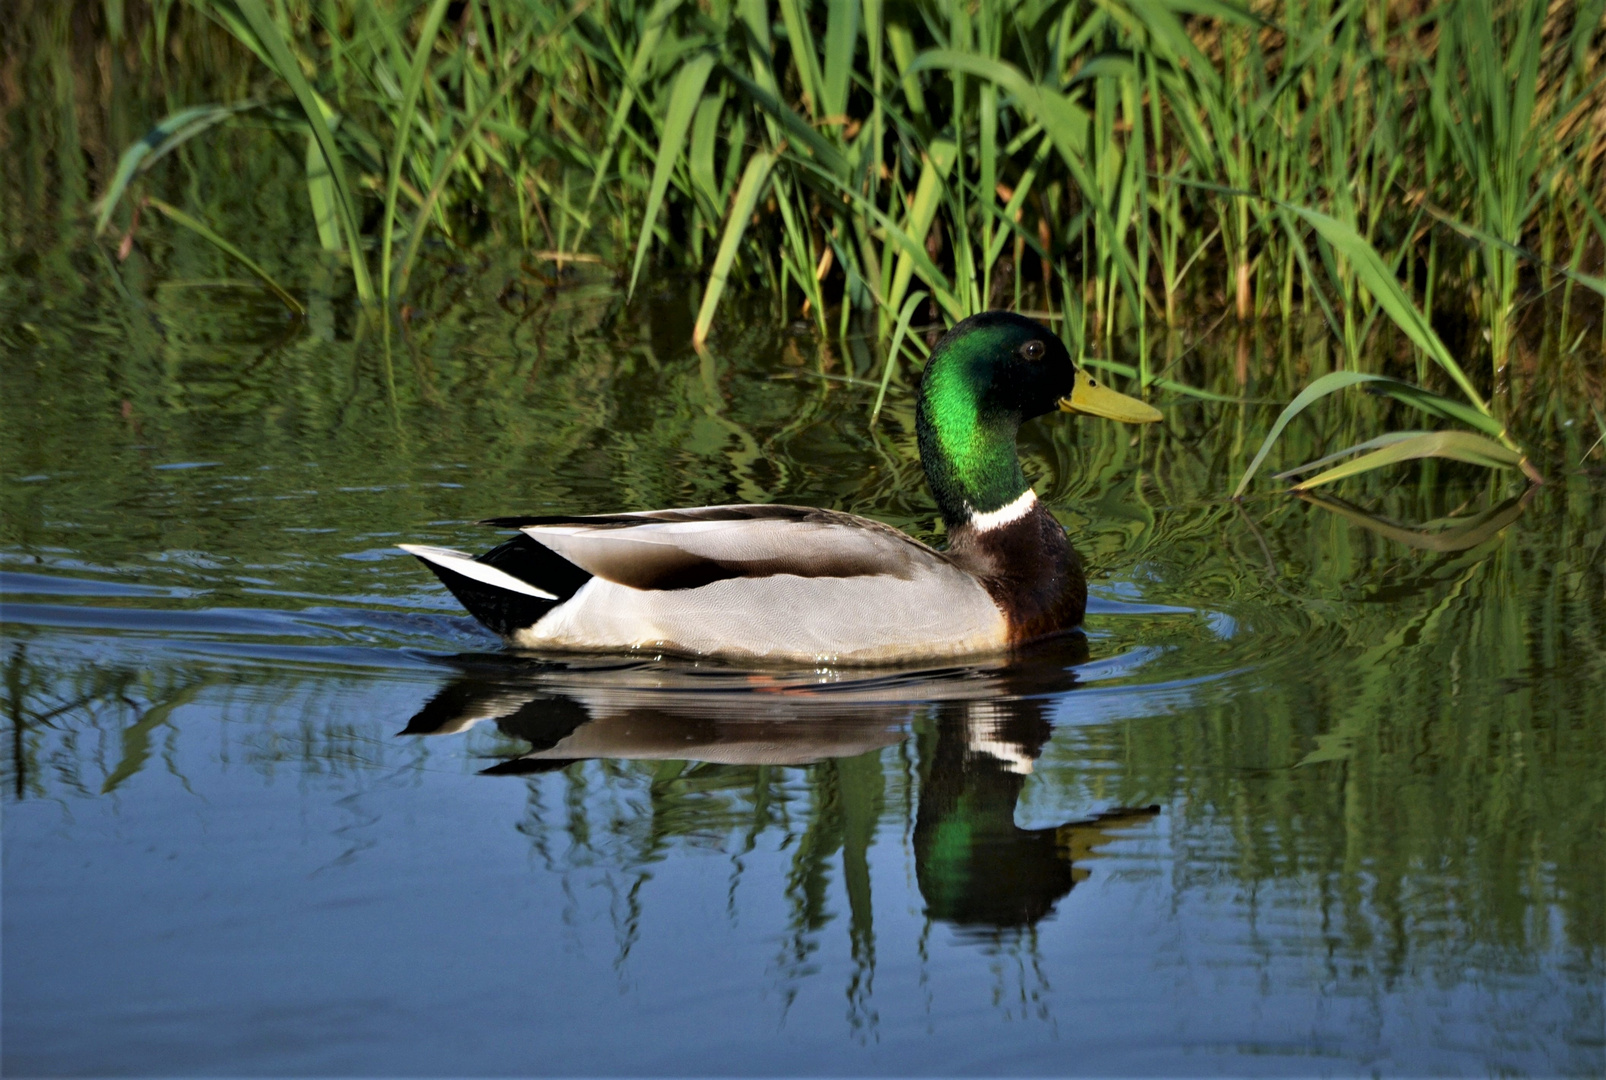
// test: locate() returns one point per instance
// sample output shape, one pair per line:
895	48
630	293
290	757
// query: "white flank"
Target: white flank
938	612
460	562
1004	515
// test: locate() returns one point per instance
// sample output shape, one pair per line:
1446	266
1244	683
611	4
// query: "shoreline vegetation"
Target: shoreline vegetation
1409	195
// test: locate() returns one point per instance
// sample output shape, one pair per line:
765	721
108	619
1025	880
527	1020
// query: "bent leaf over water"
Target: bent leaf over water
1374	275
160	141
1456	445
1417	397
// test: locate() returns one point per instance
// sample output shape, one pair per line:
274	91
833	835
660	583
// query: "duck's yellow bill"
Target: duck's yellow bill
1090	399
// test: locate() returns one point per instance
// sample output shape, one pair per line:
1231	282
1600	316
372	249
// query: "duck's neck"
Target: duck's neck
968	449
997	529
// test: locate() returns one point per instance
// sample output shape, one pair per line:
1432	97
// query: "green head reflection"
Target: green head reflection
975	867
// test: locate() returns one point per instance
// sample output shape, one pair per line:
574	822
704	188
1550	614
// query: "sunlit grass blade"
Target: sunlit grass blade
1378	280
1376	277
199	228
1063	120
1436	405
683	98
160	141
796	128
912	237
1424	400
289	69
704	136
805	57
321	193
841	35
403	136
910	306
1385	439
748	192
1317	390
651	34
1455	445
913	249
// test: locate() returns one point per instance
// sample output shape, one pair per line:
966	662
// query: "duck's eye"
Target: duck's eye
1032	350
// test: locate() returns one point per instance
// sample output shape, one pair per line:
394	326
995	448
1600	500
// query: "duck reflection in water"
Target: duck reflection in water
978	730
976	868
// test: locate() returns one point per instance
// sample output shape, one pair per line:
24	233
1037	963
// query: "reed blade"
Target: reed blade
1455	445
205	232
684	97
404	134
288	68
748	192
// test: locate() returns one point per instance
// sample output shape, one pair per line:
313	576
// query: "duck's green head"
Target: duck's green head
988	375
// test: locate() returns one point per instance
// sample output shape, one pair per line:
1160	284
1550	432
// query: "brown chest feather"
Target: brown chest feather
1030	570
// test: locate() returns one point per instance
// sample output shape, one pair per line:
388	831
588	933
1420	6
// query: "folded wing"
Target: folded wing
688	549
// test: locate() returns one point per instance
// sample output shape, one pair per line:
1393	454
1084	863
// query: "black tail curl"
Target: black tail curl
505	612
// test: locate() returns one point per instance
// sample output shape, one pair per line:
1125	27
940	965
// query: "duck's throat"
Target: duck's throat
970	460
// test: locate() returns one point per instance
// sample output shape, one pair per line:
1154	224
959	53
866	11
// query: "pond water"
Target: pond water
1304	798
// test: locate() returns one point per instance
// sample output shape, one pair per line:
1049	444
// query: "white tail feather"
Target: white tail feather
460	562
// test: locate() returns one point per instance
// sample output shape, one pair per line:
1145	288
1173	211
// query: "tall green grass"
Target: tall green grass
1403	189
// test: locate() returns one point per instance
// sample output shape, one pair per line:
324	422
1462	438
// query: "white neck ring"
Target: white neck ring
1004	515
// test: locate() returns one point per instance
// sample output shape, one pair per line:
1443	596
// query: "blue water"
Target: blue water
282	884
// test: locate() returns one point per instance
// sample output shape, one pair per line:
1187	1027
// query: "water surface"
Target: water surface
1302	799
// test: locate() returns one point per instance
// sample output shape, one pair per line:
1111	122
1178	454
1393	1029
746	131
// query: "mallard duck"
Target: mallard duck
800	584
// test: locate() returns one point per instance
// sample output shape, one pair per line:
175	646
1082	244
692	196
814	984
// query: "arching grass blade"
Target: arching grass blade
1317	390
748	192
910	306
683	99
403	136
1370	444
1378	280
200	229
1456	445
289	69
321	193
1425	400
160	141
